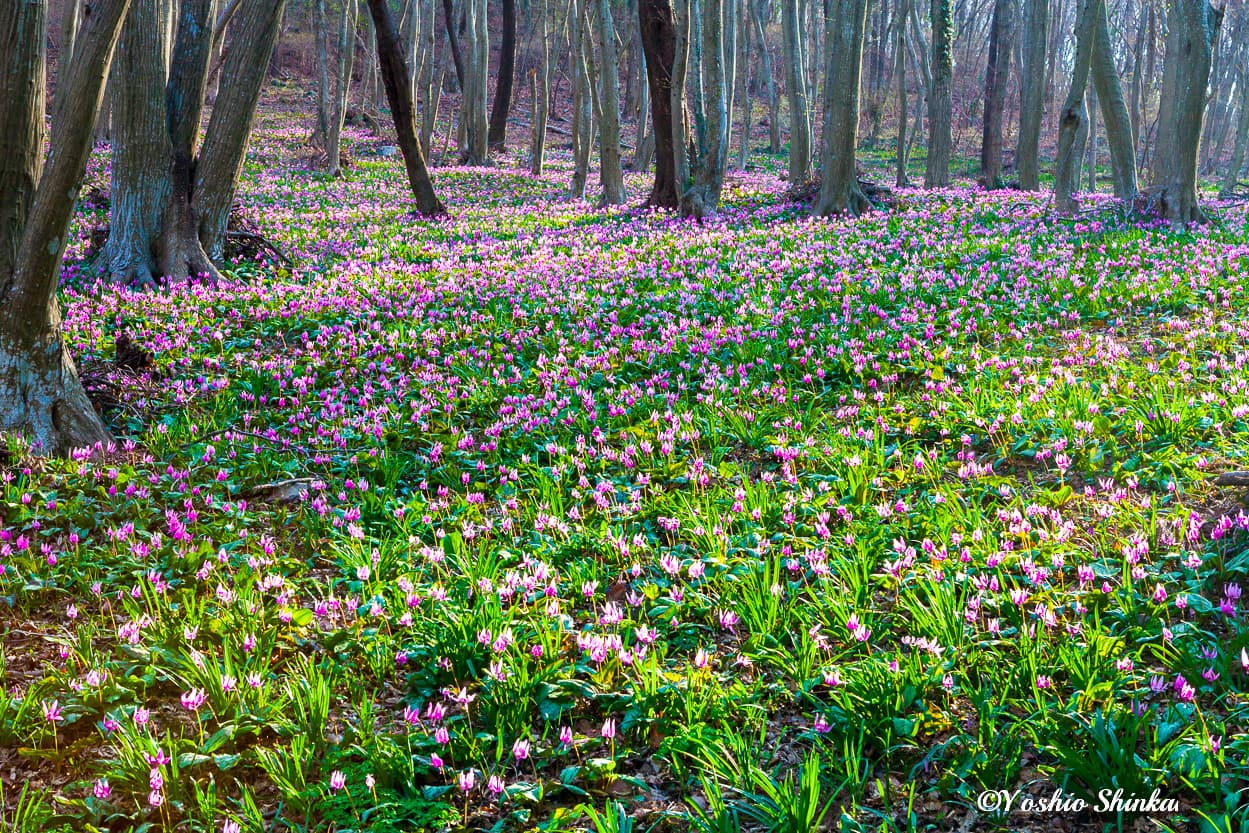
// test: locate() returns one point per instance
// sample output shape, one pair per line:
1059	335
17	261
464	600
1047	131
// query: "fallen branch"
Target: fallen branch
261	242
282	492
1232	478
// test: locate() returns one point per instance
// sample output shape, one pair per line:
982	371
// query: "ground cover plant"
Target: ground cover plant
544	517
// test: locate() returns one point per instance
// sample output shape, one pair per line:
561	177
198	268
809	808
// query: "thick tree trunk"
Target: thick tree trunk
502	105
346	58
659	49
839	184
1237	163
1032	92
320	33
69	33
610	171
680	75
1114	110
142	152
796	93
41	397
996	75
711	120
221	157
1073	115
473	103
395	77
940	147
1192	27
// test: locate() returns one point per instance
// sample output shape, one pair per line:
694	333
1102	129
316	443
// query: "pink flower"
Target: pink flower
52	712
609	728
466	779
195	698
496	784
520	749
102	790
337	780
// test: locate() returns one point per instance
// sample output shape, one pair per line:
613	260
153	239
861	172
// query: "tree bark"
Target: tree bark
582	101
502	105
1073	115
1237	163
796	93
395	77
320	33
221	157
839	184
1114	111
743	83
540	88
659	49
1192	28
899	69
448	17
769	75
346	58
711	114
476	69
937	169
1032	92
41	397
611	172
996	75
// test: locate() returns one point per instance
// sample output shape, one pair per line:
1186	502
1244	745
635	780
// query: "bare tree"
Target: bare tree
476	69
839	184
995	78
1192	28
796	93
899	71
1114	109
540	93
940	140
41	397
610	171
710	42
346	57
502	104
395	77
759	23
1032	92
655	18
1237	163
1074	115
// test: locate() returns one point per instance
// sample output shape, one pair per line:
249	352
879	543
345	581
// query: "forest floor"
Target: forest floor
712	527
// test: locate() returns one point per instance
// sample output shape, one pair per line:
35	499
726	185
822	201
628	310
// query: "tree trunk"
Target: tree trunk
743	84
1237	163
796	92
346	58
1073	115
321	34
711	119
41	397
839	184
221	157
1090	150
502	105
659	49
937	169
769	75
142	151
996	75
69	33
540	88
899	70
610	171
395	77
448	17
1032	92
1192	27
582	101
1114	110
476	69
